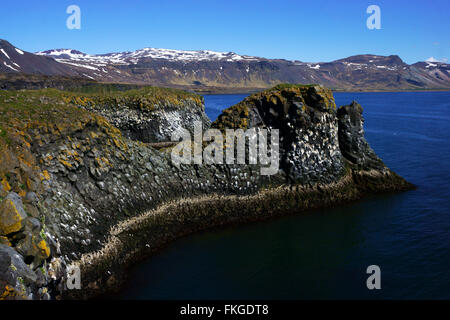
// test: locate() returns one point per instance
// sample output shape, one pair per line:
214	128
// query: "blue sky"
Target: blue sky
319	30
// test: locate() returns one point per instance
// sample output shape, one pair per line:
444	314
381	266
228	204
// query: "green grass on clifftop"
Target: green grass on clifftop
150	98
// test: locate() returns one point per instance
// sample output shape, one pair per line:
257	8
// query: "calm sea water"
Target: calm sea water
324	254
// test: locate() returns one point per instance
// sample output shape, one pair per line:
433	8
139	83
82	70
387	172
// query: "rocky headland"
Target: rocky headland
82	183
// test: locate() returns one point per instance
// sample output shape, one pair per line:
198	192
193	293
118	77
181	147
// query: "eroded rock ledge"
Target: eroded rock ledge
76	189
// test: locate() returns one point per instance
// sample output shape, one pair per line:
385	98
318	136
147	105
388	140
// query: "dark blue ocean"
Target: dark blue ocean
324	254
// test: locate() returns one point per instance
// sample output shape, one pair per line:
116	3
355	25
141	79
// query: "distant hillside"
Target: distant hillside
217	71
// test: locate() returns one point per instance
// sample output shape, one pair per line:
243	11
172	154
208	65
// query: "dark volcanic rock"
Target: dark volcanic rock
98	199
156	124
16	277
353	145
306	119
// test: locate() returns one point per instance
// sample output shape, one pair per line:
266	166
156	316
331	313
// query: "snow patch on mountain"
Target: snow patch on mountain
76	64
317	66
4	52
7	65
152	53
433	59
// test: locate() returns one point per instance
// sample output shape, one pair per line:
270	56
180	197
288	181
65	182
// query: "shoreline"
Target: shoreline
34	82
231	92
104	272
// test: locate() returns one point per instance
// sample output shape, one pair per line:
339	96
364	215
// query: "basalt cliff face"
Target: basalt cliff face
148	115
82	185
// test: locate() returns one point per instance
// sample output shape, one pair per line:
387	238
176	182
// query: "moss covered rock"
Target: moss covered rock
275	104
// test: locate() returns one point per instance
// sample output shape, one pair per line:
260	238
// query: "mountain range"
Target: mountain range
207	70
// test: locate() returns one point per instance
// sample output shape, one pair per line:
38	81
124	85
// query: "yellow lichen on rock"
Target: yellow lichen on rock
65	163
45	175
102	162
44	249
8	293
5	185
5	241
10	217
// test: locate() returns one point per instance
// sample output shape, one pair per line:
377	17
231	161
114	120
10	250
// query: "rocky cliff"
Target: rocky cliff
149	114
81	185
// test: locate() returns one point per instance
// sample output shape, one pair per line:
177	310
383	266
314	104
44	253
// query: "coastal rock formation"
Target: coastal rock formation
76	190
354	147
306	119
148	115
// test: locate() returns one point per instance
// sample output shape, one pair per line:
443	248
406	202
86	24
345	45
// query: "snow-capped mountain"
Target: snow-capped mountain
205	69
14	60
131	57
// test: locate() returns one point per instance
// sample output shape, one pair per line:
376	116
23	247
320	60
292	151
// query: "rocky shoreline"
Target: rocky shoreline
82	185
139	237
